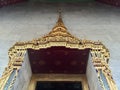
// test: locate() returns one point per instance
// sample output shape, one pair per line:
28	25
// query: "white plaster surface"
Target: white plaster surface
24	75
93	21
92	76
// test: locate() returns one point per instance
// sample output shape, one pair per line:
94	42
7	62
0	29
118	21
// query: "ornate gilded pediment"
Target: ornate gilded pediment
59	36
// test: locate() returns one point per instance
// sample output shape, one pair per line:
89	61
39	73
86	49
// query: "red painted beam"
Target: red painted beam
9	2
111	2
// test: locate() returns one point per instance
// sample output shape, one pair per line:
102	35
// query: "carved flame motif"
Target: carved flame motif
59	36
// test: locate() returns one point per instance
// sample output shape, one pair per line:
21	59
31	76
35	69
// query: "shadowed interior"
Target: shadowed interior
61	85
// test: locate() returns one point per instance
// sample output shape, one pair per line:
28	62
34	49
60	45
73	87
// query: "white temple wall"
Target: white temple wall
92	76
24	75
92	21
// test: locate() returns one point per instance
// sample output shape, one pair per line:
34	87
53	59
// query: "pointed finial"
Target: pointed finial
60	22
60	13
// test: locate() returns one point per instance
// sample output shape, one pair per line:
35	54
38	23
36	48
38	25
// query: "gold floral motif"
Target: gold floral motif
42	62
73	63
57	63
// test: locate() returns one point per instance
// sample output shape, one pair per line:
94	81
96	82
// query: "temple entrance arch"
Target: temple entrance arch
59	37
